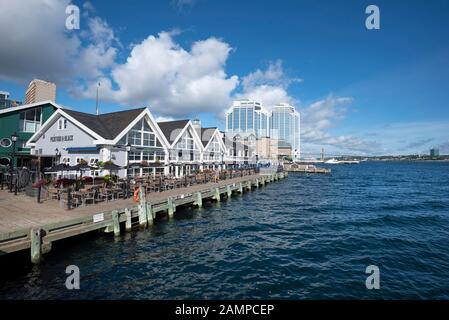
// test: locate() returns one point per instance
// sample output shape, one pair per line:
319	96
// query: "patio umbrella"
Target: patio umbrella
80	168
57	168
112	167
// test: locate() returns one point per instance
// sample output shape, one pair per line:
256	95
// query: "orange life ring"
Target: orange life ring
136	195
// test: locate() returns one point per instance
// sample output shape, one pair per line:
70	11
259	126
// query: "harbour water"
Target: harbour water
304	237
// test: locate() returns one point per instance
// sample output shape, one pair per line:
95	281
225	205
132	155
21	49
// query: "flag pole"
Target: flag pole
97	99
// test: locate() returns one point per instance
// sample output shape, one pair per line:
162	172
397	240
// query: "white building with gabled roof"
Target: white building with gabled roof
70	136
186	148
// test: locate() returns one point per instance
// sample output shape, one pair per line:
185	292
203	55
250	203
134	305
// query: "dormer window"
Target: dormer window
62	124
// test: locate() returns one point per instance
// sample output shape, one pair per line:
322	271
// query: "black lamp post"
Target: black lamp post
14	138
57	158
57	155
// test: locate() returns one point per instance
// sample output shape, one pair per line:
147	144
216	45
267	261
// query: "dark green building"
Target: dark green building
22	121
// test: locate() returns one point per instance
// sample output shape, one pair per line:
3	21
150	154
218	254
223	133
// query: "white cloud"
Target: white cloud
34	41
323	115
36	44
163	119
181	4
172	80
268	86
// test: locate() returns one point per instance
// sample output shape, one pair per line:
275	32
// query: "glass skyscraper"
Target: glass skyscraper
247	120
247	117
285	126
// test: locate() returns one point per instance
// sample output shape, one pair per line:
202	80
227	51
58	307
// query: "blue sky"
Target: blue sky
359	91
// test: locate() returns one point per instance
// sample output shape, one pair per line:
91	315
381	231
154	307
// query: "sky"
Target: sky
359	91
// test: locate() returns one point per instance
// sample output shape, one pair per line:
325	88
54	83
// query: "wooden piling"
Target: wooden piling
217	194
142	208
35	237
128	224
240	187
116	223
150	216
171	207
199	200
228	191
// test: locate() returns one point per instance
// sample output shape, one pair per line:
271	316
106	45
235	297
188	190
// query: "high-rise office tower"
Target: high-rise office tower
285	126
246	118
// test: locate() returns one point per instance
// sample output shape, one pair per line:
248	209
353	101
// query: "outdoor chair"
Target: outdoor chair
104	195
52	194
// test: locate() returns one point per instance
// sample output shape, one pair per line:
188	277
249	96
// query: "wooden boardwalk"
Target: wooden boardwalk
310	170
25	224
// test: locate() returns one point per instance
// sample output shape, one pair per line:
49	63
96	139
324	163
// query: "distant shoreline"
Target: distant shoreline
408	160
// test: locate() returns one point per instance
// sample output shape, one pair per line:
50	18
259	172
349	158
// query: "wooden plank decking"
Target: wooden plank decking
25	224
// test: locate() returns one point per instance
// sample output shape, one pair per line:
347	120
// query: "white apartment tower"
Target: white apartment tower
40	90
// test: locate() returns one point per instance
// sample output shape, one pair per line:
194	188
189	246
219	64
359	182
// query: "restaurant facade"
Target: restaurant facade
125	138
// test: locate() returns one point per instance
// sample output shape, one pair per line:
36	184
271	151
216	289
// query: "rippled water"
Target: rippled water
305	237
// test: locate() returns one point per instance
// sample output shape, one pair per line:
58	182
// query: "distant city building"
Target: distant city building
6	102
285	126
267	149
284	150
247	118
434	152
40	90
250	124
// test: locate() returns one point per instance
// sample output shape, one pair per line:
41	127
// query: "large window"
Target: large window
213	152
185	149
146	155
31	120
141	135
62	124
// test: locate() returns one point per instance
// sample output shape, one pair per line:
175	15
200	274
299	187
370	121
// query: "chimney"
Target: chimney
196	123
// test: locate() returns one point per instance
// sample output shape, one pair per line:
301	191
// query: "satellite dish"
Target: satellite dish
5	142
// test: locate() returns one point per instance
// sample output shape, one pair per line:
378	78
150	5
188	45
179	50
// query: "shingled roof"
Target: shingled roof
107	125
167	127
206	138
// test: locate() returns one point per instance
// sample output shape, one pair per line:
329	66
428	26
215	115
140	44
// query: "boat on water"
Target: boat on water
349	161
335	161
332	161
